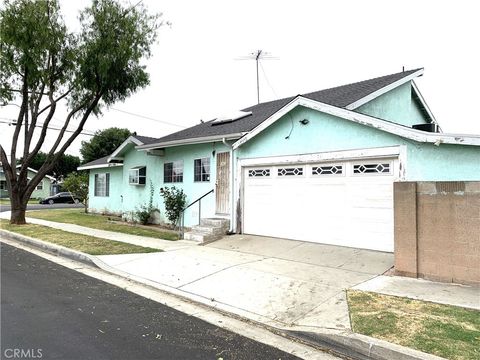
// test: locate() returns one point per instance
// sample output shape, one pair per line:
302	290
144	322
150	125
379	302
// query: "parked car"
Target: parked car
61	198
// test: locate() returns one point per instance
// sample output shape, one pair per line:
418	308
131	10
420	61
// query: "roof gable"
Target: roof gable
366	120
340	96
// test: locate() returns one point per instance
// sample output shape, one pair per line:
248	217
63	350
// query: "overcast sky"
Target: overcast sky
195	73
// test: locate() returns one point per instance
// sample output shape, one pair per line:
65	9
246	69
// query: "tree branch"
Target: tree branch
56	100
52	157
23	109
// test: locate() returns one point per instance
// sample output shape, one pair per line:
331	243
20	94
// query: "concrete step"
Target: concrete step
209	230
201	237
215	222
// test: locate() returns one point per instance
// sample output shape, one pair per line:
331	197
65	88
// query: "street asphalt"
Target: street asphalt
58	313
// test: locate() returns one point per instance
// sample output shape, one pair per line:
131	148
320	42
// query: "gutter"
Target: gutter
232	183
190	141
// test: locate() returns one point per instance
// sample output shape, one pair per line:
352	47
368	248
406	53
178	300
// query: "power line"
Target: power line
148	118
12	122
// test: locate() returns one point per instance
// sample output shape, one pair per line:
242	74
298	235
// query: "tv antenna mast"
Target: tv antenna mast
257	56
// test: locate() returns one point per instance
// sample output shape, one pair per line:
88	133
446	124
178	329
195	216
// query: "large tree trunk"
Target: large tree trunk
19	206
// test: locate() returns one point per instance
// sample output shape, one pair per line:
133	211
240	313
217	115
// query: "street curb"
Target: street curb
360	347
337	342
49	247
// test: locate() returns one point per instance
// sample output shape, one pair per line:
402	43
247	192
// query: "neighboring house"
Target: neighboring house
44	188
317	167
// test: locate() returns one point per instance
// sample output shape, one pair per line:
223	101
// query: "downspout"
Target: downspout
232	191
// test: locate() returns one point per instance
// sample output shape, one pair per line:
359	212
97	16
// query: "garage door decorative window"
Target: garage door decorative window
258	172
327	170
371	168
290	171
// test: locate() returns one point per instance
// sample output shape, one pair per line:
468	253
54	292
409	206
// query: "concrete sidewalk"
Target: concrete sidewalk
154	243
291	285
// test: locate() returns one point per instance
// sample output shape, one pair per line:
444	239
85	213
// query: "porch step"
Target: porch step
210	229
201	238
215	222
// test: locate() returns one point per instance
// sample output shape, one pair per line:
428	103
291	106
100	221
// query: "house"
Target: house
318	167
45	188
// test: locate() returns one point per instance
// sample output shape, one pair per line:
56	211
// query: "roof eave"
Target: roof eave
99	166
393	128
191	141
383	90
130	140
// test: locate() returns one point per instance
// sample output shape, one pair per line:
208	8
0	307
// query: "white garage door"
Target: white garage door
342	203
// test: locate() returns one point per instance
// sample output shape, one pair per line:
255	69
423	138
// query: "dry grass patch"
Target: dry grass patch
448	331
84	243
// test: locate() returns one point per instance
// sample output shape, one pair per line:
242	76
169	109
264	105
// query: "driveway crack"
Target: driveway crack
218	271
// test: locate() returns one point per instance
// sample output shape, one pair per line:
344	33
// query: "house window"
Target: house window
173	172
40	185
297	171
137	175
102	184
371	168
258	172
327	170
201	169
3	185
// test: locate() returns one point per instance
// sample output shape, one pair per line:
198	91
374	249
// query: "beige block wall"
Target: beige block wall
437	230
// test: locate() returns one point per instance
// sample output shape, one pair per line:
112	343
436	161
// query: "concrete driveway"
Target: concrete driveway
275	281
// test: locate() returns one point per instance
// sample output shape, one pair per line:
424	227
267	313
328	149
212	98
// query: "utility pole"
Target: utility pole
257	56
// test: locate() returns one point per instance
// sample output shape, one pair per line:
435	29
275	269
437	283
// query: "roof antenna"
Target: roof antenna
257	56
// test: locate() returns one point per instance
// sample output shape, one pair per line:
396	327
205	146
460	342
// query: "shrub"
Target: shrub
175	200
144	212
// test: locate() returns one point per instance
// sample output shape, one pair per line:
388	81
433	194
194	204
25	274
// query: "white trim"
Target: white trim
424	103
35	171
99	166
392	128
369	153
131	139
198	140
383	90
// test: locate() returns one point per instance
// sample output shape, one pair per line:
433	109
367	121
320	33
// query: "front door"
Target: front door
222	185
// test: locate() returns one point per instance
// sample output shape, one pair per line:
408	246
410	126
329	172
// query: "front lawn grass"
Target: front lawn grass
447	331
97	221
84	243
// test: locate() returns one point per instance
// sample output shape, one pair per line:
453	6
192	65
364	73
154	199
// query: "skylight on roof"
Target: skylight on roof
231	117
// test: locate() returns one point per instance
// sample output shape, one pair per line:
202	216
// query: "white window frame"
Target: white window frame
39	186
366	163
177	172
101	185
137	175
203	175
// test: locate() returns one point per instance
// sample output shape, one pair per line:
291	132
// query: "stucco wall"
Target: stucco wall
437	233
326	133
44	192
36	194
135	195
396	105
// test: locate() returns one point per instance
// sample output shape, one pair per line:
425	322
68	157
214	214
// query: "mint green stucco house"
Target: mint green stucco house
317	167
42	190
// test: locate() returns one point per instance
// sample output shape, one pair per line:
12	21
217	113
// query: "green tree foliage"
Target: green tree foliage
45	66
103	143
65	165
77	184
